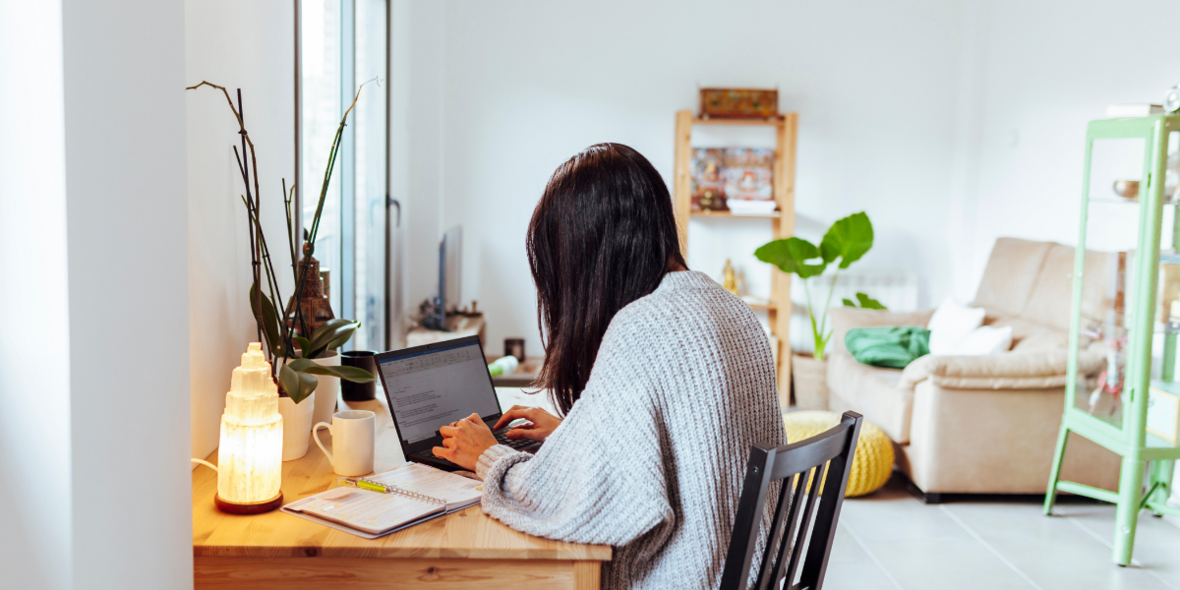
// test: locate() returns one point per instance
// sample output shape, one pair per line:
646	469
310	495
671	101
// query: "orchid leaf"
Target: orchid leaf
296	384
268	320
332	331
303	344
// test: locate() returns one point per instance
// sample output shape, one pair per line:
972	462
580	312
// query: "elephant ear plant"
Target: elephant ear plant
283	341
847	240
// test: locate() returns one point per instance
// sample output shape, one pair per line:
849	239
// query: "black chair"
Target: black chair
800	532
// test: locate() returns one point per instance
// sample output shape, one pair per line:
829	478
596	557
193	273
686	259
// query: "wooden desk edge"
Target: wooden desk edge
577	553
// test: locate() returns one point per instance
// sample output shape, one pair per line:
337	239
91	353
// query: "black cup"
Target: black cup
514	347
359	392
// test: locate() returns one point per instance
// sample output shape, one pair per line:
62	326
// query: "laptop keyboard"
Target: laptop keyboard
515	443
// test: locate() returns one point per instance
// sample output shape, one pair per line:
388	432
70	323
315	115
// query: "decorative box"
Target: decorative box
739	103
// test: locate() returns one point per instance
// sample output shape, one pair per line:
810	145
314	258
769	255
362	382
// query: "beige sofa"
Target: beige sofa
983	424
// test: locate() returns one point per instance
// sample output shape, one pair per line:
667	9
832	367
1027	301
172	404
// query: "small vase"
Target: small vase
811	382
296	425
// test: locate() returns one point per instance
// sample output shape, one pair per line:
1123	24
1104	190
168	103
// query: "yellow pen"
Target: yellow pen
364	484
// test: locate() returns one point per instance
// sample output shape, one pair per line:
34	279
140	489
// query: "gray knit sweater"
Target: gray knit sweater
650	460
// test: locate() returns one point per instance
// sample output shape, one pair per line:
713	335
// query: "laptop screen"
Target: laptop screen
430	387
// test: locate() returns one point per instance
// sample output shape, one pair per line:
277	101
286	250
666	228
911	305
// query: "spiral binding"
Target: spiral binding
404	492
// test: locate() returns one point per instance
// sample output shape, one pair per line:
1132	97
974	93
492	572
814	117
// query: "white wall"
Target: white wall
417	123
527	84
1050	67
255	51
35	523
128	293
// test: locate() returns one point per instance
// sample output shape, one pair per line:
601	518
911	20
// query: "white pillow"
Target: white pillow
985	340
951	324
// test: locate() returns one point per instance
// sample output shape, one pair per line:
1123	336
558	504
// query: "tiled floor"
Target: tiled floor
890	540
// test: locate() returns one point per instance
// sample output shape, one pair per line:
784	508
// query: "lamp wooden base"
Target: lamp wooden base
251	508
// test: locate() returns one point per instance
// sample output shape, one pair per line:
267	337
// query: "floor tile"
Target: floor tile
1157	543
1053	552
851	568
993	544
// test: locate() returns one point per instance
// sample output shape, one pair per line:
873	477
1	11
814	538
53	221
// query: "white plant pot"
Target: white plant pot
811	382
296	425
328	390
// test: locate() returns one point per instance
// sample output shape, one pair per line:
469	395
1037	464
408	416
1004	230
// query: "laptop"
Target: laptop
431	386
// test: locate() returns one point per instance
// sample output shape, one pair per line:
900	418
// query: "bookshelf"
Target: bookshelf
782	220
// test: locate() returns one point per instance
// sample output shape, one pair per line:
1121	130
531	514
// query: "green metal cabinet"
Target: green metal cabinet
1121	341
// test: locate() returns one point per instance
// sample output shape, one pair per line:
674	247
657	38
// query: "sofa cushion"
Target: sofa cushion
872	392
1011	273
951	324
1051	302
1032	337
1022	371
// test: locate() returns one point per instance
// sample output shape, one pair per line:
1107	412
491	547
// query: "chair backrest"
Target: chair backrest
802	529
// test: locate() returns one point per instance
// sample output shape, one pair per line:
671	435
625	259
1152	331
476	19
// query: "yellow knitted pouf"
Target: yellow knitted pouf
872	463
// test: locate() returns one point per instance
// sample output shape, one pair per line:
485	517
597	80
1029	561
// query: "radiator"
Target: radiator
896	291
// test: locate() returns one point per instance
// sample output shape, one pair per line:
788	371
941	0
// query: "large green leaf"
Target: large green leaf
298	385
791	256
867	302
269	320
354	374
848	239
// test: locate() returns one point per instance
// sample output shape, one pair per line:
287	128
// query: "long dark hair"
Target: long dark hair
602	236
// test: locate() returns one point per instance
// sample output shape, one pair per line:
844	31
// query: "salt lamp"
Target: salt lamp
250	458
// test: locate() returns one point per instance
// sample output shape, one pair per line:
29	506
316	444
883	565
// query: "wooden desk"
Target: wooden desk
463	550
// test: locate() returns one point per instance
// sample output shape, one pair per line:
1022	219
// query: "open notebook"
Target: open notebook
421	493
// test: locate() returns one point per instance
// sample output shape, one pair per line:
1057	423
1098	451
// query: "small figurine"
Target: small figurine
729	281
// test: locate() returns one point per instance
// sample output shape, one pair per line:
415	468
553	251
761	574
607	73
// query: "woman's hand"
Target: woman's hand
464	441
541	423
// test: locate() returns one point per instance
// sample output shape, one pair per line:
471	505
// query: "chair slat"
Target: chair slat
803	524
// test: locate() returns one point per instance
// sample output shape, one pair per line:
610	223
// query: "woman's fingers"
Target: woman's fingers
525	433
450	443
510	415
448	431
441	453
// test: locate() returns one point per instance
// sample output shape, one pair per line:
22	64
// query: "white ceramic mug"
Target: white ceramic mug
353	433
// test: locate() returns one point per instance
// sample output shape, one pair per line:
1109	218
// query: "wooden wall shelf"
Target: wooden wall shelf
783	220
732	214
722	121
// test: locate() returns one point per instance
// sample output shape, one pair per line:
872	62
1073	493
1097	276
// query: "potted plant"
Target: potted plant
301	349
847	241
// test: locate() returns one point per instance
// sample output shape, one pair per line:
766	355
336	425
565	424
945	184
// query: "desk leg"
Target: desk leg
587	575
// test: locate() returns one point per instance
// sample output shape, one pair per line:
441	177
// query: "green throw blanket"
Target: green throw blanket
888	347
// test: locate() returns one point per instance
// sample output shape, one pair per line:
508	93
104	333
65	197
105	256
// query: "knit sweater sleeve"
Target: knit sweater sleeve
599	478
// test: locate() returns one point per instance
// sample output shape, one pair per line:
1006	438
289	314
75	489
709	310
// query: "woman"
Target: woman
664	380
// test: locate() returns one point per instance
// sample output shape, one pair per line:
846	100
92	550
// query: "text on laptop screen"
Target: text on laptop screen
436	387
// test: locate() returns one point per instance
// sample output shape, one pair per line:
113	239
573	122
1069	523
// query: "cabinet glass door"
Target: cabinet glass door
1113	215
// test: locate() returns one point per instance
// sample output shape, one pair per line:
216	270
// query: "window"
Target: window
343	44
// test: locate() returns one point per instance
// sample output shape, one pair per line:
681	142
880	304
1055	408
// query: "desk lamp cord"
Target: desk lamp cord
206	464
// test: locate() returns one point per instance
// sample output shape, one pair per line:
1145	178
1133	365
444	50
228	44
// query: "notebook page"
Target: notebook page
372	512
456	490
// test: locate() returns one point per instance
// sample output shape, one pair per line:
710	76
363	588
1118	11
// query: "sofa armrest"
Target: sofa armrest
847	318
1029	370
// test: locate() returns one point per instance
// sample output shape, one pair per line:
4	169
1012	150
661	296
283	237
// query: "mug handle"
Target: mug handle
315	433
